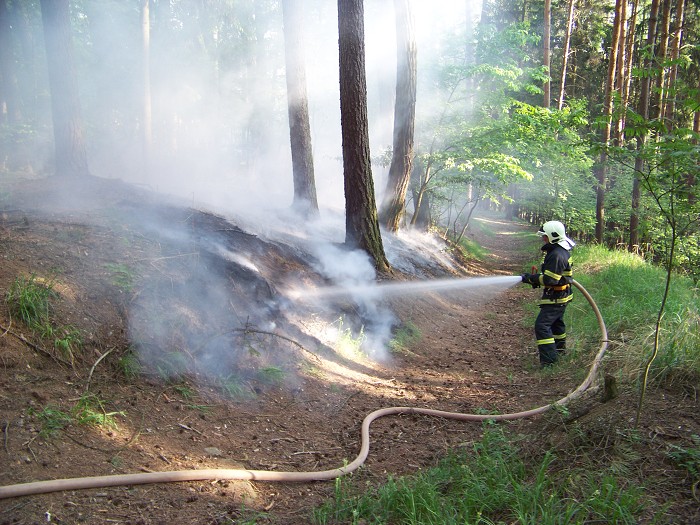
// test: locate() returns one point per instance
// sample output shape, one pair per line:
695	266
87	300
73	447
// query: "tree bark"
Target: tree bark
9	94
147	132
305	200
71	156
567	50
661	56
601	168
643	110
361	222
676	40
547	52
394	204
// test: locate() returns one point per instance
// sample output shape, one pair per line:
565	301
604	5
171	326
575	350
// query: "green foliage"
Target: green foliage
89	410
28	300
52	420
234	388
687	458
628	291
271	375
129	365
122	276
404	336
493	483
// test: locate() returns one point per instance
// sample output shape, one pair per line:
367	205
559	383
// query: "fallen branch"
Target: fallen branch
87	386
34	346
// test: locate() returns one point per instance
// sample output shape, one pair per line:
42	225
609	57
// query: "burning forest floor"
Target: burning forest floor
194	355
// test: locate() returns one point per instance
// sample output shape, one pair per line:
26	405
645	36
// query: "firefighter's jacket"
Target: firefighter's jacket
556	276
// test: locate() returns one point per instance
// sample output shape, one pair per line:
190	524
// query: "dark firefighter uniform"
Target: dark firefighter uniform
555	279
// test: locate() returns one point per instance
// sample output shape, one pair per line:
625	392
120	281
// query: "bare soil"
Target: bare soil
118	270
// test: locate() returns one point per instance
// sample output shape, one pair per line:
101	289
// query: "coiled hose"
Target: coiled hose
56	485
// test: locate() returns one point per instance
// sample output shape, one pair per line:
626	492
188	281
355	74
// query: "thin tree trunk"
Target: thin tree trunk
305	200
394	204
601	168
643	110
546	56
620	73
676	40
147	135
661	56
567	50
361	222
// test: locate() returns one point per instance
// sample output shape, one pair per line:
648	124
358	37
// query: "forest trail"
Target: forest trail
475	352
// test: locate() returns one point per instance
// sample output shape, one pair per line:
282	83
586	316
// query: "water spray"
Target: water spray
42	487
406	288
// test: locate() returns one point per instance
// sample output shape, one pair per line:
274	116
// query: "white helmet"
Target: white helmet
556	233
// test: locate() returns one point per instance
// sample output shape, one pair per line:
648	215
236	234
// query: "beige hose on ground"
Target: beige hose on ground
41	487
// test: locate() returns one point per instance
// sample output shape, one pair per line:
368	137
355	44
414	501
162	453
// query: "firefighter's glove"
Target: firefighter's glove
532	279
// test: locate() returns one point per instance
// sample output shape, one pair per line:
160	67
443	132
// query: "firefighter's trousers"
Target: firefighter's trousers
550	332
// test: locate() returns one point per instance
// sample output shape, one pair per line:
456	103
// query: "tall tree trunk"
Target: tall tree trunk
9	94
629	55
361	222
394	203
147	132
566	51
547	52
71	156
305	200
676	40
661	57
601	167
643	110
620	73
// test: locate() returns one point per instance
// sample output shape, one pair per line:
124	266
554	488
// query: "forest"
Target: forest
379	127
582	111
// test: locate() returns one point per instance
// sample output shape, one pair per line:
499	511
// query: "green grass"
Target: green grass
28	300
491	483
122	276
271	375
406	335
89	410
628	292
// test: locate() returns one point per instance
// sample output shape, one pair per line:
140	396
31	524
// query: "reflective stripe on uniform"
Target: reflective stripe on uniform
563	300
548	341
559	337
553	275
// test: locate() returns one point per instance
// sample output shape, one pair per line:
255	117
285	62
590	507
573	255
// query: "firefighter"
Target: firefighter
555	278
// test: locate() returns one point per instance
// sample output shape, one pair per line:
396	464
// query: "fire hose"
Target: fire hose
56	485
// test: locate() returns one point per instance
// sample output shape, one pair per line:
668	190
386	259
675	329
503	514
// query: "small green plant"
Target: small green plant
122	276
28	300
404	337
347	343
67	340
687	458
90	410
271	375
233	388
172	365
129	365
185	391
52	420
